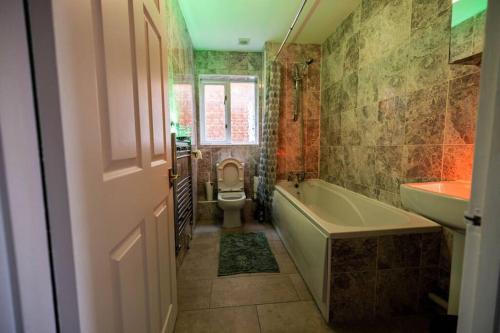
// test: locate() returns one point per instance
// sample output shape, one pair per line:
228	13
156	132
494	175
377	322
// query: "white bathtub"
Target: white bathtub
308	217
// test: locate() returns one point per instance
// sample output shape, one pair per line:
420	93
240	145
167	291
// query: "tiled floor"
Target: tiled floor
260	302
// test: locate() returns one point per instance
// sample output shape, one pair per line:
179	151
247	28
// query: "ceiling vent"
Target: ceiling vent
243	41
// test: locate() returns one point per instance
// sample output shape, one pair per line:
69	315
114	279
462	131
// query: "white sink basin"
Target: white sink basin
443	202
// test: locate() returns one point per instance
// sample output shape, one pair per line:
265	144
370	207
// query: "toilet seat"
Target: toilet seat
231	196
230	175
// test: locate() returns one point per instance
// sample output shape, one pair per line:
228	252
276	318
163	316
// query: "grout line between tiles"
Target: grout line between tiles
258	304
294	287
258	318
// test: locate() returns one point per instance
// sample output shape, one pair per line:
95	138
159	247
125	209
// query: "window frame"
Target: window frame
226	80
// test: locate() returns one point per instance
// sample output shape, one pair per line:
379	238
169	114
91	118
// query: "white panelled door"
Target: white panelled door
111	59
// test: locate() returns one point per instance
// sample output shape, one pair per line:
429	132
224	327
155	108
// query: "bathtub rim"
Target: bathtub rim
416	224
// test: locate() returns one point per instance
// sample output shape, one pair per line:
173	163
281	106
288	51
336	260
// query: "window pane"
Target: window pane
215	118
243	112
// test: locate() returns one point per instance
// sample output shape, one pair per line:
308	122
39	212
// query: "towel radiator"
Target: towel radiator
183	198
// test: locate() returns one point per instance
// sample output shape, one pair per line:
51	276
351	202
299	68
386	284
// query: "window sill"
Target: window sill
219	145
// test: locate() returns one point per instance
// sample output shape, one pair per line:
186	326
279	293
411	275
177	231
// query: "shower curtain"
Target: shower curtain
268	157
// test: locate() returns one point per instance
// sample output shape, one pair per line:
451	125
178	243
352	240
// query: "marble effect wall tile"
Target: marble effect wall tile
467	38
336	165
399	251
354	254
457	162
384	276
388	168
397	292
391	119
411	116
422	162
423	10
478	38
384	30
425	115
463	100
354	298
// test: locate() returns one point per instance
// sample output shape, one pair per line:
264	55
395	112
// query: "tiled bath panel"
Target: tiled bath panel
384	276
392	109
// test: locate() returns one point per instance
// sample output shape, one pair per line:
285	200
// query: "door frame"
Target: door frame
52	145
480	301
27	296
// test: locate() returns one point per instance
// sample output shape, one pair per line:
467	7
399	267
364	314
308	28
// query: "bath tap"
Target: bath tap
299	177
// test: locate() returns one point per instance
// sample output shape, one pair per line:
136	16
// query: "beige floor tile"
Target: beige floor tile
242	319
199	266
256	227
252	290
294	317
285	263
277	247
193	322
206	230
194	294
271	234
203	245
301	287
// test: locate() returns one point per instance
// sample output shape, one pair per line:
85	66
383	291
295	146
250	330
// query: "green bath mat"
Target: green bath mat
245	253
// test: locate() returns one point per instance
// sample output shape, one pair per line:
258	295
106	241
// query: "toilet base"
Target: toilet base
232	218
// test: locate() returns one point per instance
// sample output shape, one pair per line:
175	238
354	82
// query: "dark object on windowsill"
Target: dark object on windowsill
444	324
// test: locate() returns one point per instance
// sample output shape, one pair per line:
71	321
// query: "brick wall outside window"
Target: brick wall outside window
214	113
242	112
183	94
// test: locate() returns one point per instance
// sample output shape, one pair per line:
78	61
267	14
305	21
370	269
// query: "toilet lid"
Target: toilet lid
230	175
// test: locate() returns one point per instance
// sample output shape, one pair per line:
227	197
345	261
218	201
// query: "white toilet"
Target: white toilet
231	197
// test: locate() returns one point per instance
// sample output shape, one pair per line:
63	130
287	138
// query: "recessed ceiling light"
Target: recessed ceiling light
243	41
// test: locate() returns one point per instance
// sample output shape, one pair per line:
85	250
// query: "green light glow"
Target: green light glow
464	9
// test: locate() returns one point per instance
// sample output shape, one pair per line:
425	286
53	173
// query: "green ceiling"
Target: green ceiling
464	9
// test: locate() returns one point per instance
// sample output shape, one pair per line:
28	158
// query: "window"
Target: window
229	110
181	110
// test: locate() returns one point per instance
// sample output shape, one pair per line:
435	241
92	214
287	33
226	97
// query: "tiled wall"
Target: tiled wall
382	276
467	38
393	110
289	140
228	63
180	58
180	69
